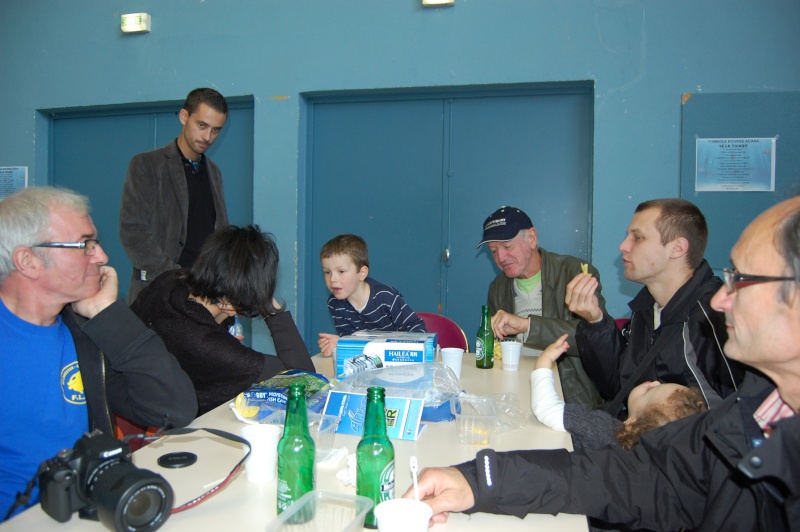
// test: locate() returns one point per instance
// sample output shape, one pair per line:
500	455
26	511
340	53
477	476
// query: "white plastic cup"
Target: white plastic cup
452	357
263	439
510	350
403	515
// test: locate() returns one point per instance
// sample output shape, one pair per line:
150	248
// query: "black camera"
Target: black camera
98	479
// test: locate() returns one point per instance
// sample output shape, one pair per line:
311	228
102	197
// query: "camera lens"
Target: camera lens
130	499
143	507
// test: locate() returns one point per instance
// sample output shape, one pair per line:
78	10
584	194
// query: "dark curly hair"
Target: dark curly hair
238	265
679	404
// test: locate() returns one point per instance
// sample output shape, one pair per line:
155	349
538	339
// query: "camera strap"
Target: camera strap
186	430
23	498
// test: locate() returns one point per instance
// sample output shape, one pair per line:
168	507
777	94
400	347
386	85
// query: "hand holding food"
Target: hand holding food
581	299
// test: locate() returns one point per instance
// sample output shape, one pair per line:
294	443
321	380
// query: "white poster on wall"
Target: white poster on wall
735	165
12	178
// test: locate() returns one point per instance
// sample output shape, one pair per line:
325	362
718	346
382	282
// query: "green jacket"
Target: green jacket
556	319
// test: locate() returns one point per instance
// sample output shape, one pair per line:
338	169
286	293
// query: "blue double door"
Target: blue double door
416	174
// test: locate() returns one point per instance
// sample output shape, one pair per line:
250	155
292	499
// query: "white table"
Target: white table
246	506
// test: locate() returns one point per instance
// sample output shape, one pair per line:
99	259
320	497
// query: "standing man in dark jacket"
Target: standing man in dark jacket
734	467
72	354
663	250
527	296
173	198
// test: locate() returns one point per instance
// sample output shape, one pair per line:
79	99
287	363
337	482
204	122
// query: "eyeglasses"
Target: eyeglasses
88	246
735	280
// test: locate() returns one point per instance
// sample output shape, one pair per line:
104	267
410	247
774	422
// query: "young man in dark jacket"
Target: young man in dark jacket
671	316
72	355
734	467
173	199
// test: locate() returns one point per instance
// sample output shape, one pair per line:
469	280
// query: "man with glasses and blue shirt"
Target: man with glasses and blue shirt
734	467
72	354
673	335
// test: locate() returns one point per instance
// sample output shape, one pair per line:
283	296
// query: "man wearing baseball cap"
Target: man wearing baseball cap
528	297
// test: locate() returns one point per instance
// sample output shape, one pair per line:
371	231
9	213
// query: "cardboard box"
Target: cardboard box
389	348
403	415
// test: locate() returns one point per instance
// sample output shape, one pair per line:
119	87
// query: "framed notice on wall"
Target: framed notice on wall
730	167
12	178
735	165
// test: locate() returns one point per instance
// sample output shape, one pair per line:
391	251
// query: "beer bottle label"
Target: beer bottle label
284	495
479	351
387	482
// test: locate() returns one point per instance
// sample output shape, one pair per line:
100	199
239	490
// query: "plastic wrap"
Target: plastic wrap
433	382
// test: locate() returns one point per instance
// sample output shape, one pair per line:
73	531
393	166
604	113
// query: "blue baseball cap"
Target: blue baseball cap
504	224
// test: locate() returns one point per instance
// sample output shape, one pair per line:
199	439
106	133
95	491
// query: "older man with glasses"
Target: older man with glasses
73	355
734	467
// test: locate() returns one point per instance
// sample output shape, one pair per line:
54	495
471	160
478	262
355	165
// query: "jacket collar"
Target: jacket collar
777	457
701	283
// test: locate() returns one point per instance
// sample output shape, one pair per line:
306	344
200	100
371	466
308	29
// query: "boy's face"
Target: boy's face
341	276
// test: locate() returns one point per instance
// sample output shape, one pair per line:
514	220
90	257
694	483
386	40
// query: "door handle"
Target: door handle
447	256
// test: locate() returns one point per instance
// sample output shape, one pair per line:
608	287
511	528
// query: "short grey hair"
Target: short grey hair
787	241
25	220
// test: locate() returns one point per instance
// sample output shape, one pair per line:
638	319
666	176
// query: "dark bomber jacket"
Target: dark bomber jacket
699	473
692	356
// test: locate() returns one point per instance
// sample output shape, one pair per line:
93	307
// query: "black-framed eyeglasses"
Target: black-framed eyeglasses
735	280
89	246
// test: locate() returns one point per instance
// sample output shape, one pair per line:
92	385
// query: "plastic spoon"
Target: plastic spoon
414	469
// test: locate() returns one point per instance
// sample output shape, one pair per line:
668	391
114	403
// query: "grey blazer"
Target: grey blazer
154	211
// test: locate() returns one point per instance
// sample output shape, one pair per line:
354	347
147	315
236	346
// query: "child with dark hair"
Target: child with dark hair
650	405
235	273
358	302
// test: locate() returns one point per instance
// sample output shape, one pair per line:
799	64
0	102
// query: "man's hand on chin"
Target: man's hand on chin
105	296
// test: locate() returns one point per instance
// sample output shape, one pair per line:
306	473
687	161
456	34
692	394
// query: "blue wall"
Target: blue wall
641	55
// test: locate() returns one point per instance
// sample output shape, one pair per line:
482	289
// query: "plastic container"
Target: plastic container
475	418
322	428
322	511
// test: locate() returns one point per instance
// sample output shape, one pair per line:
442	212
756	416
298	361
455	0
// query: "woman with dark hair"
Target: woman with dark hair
235	273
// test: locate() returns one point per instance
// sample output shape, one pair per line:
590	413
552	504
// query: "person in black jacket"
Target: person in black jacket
235	273
72	354
173	197
671	318
734	467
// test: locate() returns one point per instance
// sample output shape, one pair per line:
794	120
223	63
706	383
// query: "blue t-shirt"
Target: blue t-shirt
44	408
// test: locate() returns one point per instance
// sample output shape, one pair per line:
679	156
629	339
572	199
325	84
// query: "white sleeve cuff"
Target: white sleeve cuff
547	406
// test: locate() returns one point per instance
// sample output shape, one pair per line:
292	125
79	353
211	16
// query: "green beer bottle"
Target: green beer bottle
296	452
484	345
375	456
